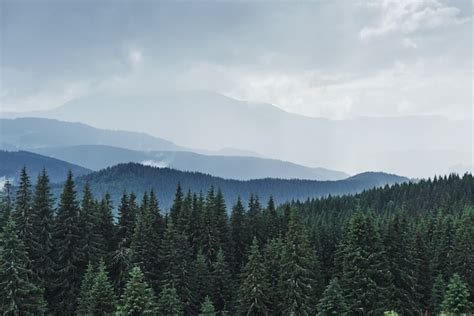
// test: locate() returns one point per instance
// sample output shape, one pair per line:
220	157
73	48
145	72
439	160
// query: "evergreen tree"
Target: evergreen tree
43	255
145	248
202	280
105	225
254	288
221	223
364	270
254	220
333	302
175	210
92	241
6	203
138	297
84	304
273	260
238	238
169	302
272	222
437	295
456	300
18	294
299	270
68	249
103	299
209	241
422	267
207	308
126	221
221	284
463	252
24	216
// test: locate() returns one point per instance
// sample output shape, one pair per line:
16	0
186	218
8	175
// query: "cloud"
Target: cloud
410	16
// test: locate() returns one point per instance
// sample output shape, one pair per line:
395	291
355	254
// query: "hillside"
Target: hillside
211	121
97	157
138	178
12	162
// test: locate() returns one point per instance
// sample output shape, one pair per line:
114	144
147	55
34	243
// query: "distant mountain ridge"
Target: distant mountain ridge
96	148
139	178
97	157
419	146
12	162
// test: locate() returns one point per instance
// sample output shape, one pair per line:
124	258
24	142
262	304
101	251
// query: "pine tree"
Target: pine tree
92	241
333	302
68	249
299	270
221	223
18	294
456	300
273	253
272	222
103	299
175	211
145	248
177	262
126	221
463	252
84	304
105	225
437	295
202	279
6	203
24	216
365	274
207	308
422	267
169	302
238	238
222	286
254	288
209	241
43	255
138	297
254	220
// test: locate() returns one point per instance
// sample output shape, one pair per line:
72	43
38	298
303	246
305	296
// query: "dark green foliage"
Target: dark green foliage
238	236
273	256
138	297
202	279
84	304
207	308
463	252
169	302
92	241
6	203
105	225
333	301
456	299
18	294
437	295
222	287
254	290
103	299
299	284
68	251
42	256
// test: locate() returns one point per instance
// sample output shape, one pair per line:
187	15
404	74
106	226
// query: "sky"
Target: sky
335	59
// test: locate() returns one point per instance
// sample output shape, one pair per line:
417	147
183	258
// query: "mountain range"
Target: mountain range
418	146
95	149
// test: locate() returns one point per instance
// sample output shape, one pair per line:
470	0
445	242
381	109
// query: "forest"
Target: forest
405	249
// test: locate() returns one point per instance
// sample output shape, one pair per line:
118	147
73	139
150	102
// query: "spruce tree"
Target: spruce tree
364	271
254	287
105	225
254	220
333	302
103	299
437	295
23	215
126	221
92	241
68	250
272	222
463	252
169	302
299	270
138	297
207	308
84	304
456	299
202	278
6	203
238	237
222	287
18	294
273	255
175	210
43	255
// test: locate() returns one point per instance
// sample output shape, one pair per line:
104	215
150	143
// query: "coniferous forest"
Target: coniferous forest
405	249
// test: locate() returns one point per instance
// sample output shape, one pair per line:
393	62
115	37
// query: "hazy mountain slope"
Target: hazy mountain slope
138	178
401	145
231	167
27	133
12	162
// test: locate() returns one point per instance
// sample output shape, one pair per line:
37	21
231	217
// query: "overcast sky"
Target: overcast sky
335	59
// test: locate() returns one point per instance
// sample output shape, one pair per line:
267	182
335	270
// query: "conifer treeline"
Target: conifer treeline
406	248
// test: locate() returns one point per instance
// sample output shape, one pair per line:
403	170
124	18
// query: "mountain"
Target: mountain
28	133
12	162
230	167
418	146
138	178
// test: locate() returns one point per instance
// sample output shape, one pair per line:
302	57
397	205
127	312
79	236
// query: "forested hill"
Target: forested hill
137	178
